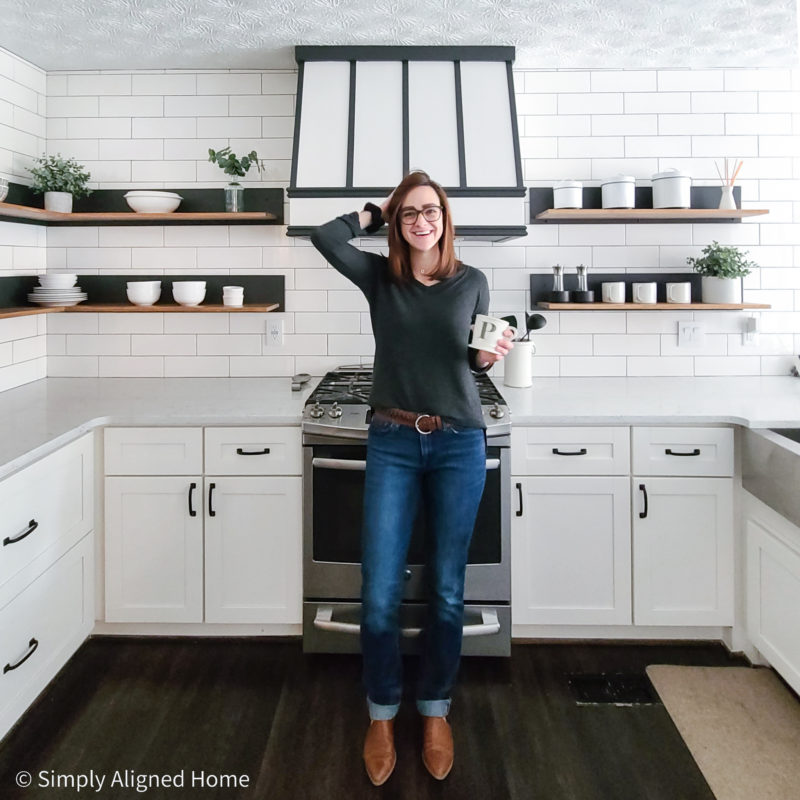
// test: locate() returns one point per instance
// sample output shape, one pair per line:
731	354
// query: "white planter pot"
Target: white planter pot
58	201
722	290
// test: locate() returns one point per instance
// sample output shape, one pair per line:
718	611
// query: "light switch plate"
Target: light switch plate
274	335
690	334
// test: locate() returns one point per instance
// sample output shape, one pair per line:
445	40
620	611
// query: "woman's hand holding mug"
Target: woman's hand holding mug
491	349
502	349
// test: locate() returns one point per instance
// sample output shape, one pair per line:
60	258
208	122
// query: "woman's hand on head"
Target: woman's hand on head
502	349
385	205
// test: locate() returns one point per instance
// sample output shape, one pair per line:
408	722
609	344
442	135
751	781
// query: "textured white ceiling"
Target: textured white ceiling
230	34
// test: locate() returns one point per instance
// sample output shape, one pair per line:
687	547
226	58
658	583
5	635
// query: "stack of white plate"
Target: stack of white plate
57	289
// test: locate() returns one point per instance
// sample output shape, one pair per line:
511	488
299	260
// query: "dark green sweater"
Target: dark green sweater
422	362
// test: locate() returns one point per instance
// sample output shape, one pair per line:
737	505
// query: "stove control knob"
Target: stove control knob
335	411
316	411
496	412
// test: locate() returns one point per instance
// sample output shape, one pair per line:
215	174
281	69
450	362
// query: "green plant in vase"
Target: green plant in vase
721	268
60	179
236	167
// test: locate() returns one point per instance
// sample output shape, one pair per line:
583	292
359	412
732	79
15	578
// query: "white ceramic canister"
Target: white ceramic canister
518	365
672	189
619	191
568	194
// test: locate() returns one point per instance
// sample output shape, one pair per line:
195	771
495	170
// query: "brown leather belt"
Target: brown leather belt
424	423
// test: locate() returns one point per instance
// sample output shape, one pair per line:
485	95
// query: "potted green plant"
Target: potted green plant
237	167
60	179
722	269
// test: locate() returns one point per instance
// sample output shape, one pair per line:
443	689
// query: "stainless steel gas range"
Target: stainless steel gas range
335	423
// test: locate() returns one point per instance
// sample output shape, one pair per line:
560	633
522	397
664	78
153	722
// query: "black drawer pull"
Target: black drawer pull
519	489
211	512
581	452
32	526
643	514
32	645
670	452
192	512
264	452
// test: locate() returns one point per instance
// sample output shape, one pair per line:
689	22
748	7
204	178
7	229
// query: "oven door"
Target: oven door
333	493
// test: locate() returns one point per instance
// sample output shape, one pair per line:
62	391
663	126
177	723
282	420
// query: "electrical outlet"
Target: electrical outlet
750	332
690	334
274	336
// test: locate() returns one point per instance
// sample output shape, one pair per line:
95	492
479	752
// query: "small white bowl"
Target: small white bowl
189	293
58	280
153	202
143	297
144	284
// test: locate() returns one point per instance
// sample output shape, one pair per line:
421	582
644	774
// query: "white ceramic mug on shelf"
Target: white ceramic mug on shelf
679	292
614	292
644	292
487	331
518	365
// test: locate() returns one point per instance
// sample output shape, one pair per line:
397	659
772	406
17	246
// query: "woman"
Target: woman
426	442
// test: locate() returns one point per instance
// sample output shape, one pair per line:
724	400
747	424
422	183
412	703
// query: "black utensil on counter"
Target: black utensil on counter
532	323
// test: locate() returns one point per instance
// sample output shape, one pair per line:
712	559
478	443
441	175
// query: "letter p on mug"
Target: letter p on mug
487	331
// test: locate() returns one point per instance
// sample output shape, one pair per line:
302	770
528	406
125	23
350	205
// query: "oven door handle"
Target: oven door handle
488	625
359	466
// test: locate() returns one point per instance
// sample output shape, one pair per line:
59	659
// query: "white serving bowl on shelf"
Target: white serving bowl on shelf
58	280
144	293
189	293
152	202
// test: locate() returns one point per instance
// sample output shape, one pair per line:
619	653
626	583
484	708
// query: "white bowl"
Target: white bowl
58	280
144	297
144	284
153	202
189	293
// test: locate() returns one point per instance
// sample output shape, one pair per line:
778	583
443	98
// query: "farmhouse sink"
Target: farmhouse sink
771	468
789	433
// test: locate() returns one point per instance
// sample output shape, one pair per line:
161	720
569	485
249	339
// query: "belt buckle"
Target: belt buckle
416	425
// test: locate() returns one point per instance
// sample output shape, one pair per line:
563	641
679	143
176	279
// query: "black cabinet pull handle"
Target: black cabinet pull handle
581	452
670	452
32	526
519	489
192	487
32	645
211	512
264	452
643	514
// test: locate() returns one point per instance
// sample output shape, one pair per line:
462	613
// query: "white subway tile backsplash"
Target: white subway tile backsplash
552	81
79	149
97	128
660	234
778	102
610	103
690	80
264	105
711	344
591	147
538	147
711	102
131	323
593	235
72	106
72	366
168	171
268	366
333	322
131	367
548	169
229	83
229	345
563	344
650	366
599	366
102	84
104	344
211	323
758	123
541	125
344	301
758	80
687	124
603	168
657	146
163	345
656	321
164	84
626	345
610	322
227	127
279	83
730	365
658	103
164	127
133	106
624	125
196	106
721	146
351	345
611	258
152	149
124	236
196	367
623	81
541	103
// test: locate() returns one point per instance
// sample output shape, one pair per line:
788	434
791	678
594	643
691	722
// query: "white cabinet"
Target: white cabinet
682	551
571	551
773	587
210	545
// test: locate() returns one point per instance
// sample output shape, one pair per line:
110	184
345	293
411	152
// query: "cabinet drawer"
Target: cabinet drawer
42	626
253	451
44	502
570	451
683	451
153	451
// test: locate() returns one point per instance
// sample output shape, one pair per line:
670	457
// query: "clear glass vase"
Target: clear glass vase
234	197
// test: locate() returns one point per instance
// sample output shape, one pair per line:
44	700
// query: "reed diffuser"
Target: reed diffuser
726	199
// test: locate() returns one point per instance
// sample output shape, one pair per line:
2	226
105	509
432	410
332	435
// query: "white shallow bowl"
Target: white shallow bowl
58	280
189	293
153	202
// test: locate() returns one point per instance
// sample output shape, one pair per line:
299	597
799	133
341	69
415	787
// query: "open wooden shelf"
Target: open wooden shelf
167	308
645	306
647	214
25	311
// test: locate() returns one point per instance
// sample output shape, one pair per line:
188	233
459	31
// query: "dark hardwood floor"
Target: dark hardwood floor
294	725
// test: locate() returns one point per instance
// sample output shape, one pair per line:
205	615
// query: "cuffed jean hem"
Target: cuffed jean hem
377	711
433	708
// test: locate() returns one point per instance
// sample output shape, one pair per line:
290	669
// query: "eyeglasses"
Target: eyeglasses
408	216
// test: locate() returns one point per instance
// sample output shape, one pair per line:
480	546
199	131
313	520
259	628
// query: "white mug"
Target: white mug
487	331
517	365
679	292
644	292
614	292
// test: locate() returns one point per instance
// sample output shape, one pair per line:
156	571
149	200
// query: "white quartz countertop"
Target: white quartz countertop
40	417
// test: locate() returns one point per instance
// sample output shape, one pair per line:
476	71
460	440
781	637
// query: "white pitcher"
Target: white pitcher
518	365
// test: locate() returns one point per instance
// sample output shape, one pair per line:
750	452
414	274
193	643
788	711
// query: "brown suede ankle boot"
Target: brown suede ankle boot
379	753
437	747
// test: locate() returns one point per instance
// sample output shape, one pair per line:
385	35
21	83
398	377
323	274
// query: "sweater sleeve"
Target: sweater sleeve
481	307
332	240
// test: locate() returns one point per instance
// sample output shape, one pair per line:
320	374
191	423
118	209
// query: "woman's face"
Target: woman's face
421	233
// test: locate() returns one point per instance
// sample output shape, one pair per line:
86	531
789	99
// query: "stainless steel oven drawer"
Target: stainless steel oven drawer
333	627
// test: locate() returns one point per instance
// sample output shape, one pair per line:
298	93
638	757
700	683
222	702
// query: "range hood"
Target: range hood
367	115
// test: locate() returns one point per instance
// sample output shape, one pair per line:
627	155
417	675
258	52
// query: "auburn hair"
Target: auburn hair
400	250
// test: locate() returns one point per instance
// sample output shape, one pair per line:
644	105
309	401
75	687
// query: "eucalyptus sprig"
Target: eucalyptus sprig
718	261
57	174
232	164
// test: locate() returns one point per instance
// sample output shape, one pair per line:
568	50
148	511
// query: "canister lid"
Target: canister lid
569	183
672	172
620	178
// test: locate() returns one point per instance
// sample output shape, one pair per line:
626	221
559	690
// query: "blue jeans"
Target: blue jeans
446	470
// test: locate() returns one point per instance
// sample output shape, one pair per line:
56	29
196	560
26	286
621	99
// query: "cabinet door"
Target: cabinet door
154	549
683	551
570	551
253	550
